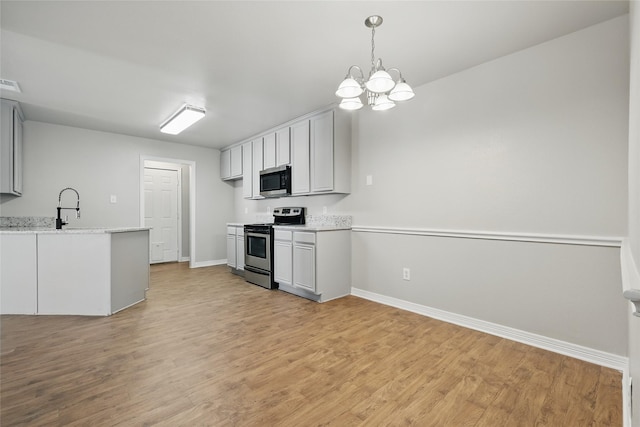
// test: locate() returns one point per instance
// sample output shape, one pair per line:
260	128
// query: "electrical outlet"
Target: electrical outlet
369	180
406	273
324	210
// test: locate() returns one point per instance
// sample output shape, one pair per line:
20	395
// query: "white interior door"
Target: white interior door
161	213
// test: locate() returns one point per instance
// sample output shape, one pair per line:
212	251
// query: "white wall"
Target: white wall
634	197
99	164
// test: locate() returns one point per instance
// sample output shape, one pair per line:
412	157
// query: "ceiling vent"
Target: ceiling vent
9	85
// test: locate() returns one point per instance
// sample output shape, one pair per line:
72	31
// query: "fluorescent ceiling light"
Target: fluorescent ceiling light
182	119
9	85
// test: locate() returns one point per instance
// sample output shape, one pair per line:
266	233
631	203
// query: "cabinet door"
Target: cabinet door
240	249
257	167
304	266
10	148
17	152
18	274
282	262
225	164
282	147
236	162
300	158
269	154
231	250
247	171
322	152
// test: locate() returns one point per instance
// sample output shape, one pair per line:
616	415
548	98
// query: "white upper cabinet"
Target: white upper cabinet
247	170
236	162
269	151
317	146
11	148
321	154
231	163
300	157
283	156
321	149
225	164
258	165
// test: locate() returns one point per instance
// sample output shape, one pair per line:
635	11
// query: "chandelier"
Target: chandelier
381	91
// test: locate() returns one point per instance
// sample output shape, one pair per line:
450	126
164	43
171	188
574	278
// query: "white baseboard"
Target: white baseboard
198	264
597	357
184	259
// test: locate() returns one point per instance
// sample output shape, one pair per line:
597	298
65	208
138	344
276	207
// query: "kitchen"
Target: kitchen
476	185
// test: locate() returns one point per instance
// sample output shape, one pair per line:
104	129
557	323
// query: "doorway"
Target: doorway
167	206
162	213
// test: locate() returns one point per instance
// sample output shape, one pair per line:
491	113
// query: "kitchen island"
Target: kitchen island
91	271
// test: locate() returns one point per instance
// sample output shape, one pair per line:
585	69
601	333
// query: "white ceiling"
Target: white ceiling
125	66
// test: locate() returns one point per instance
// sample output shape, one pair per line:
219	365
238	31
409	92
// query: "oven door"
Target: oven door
257	250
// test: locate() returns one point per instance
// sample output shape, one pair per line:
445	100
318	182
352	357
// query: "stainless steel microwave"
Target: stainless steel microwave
275	182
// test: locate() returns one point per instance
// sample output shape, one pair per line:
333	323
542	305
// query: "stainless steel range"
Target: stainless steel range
258	257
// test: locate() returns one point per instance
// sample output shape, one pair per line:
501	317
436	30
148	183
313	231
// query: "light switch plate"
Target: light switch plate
113	199
369	179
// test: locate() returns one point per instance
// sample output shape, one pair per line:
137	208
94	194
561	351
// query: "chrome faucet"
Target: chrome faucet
59	222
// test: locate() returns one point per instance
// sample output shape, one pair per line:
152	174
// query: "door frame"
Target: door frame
192	199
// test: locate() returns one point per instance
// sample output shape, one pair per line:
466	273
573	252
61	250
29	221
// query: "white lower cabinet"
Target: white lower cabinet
18	274
240	247
282	257
231	247
235	246
304	261
313	264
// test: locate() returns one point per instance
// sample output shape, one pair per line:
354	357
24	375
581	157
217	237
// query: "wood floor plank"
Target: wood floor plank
209	349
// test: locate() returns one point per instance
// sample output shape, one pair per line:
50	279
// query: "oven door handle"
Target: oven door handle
255	270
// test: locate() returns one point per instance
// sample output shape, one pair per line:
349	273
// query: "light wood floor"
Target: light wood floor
208	349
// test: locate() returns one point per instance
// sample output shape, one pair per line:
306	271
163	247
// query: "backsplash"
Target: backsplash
314	220
329	220
27	221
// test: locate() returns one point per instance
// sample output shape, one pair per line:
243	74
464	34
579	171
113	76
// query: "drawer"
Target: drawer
282	235
304	237
232	230
240	231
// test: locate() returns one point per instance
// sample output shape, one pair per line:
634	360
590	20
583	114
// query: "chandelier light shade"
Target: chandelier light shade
349	88
380	89
182	119
401	92
351	104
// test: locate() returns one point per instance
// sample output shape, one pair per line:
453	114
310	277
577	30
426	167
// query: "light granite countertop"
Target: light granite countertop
69	230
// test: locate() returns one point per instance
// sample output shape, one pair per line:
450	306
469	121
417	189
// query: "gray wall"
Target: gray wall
534	143
99	164
634	197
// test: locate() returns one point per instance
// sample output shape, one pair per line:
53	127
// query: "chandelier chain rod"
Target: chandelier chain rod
373	46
